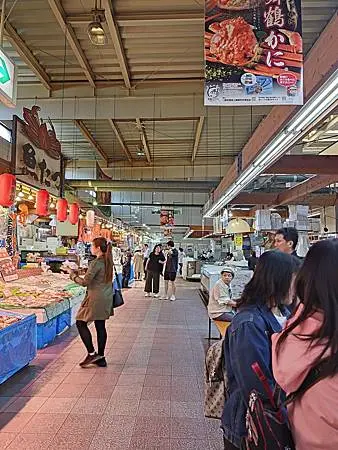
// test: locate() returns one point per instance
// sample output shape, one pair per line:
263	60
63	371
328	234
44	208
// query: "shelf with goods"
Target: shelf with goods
17	342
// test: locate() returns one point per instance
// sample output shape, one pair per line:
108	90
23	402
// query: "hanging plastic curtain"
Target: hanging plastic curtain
42	202
7	189
61	210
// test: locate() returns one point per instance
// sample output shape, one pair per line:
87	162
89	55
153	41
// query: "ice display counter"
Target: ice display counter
52	298
211	274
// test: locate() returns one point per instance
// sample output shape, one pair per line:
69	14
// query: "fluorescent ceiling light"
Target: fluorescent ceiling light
5	133
325	98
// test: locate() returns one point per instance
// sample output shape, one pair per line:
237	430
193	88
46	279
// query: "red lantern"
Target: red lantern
61	210
7	189
74	213
42	202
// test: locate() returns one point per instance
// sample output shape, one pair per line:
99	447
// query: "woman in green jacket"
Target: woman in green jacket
97	306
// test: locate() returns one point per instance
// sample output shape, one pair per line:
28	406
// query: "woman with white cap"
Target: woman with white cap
221	306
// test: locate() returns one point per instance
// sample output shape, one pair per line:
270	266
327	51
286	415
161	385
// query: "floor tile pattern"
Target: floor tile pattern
149	397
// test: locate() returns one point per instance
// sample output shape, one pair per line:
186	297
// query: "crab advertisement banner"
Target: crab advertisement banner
253	52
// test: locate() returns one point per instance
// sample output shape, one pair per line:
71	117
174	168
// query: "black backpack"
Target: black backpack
266	422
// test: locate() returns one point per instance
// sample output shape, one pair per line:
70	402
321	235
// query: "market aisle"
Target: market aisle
149	397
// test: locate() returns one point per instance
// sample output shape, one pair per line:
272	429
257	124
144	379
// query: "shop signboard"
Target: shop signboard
37	152
8	81
253	52
238	240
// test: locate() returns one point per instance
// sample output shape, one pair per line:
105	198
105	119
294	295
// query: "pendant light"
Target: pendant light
7	189
42	202
95	29
61	210
74	212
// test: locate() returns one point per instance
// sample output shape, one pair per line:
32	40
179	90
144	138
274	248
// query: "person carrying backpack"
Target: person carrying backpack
310	337
262	312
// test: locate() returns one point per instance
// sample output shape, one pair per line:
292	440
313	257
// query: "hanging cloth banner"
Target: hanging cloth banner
253	52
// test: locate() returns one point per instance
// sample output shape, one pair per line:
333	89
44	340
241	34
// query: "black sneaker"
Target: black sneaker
90	359
101	362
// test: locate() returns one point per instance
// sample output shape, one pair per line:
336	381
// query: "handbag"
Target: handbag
117	297
266	421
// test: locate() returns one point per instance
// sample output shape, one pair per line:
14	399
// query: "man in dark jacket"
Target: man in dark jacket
170	271
286	241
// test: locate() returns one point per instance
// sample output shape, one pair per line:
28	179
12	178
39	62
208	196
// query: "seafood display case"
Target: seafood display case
211	274
52	298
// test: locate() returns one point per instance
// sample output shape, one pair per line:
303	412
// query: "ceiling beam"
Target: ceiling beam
27	56
88	136
143	185
305	164
268	199
60	16
302	190
117	41
121	141
136	20
160	163
198	135
254	198
325	51
144	139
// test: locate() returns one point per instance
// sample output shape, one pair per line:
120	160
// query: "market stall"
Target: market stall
17	342
211	274
51	297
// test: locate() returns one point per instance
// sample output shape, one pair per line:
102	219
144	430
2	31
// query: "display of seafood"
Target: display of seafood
38	291
233	42
6	321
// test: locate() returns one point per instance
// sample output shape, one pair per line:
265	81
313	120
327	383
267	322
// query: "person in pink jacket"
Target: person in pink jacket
309	337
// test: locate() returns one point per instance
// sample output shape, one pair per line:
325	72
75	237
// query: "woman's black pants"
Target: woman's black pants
86	335
152	282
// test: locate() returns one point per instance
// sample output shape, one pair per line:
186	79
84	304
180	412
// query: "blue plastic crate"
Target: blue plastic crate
17	344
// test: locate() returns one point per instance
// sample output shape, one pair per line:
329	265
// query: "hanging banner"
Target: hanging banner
103	198
253	52
167	218
8	80
37	152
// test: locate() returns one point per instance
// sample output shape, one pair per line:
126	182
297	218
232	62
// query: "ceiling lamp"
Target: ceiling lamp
319	104
95	29
237	226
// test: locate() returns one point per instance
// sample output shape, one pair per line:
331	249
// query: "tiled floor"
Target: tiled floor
149	397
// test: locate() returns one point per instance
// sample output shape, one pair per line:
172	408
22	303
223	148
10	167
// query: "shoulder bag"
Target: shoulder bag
118	297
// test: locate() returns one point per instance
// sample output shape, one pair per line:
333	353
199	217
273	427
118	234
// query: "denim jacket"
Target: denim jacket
248	340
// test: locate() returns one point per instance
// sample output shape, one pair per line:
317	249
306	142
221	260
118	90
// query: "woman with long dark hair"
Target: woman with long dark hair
310	337
154	268
261	313
98	302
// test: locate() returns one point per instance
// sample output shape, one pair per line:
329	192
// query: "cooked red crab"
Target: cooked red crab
233	42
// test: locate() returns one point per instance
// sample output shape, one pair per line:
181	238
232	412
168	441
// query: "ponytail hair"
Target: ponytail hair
106	249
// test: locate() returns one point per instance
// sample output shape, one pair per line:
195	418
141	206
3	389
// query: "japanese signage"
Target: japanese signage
38	152
7	80
253	52
238	240
7	269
